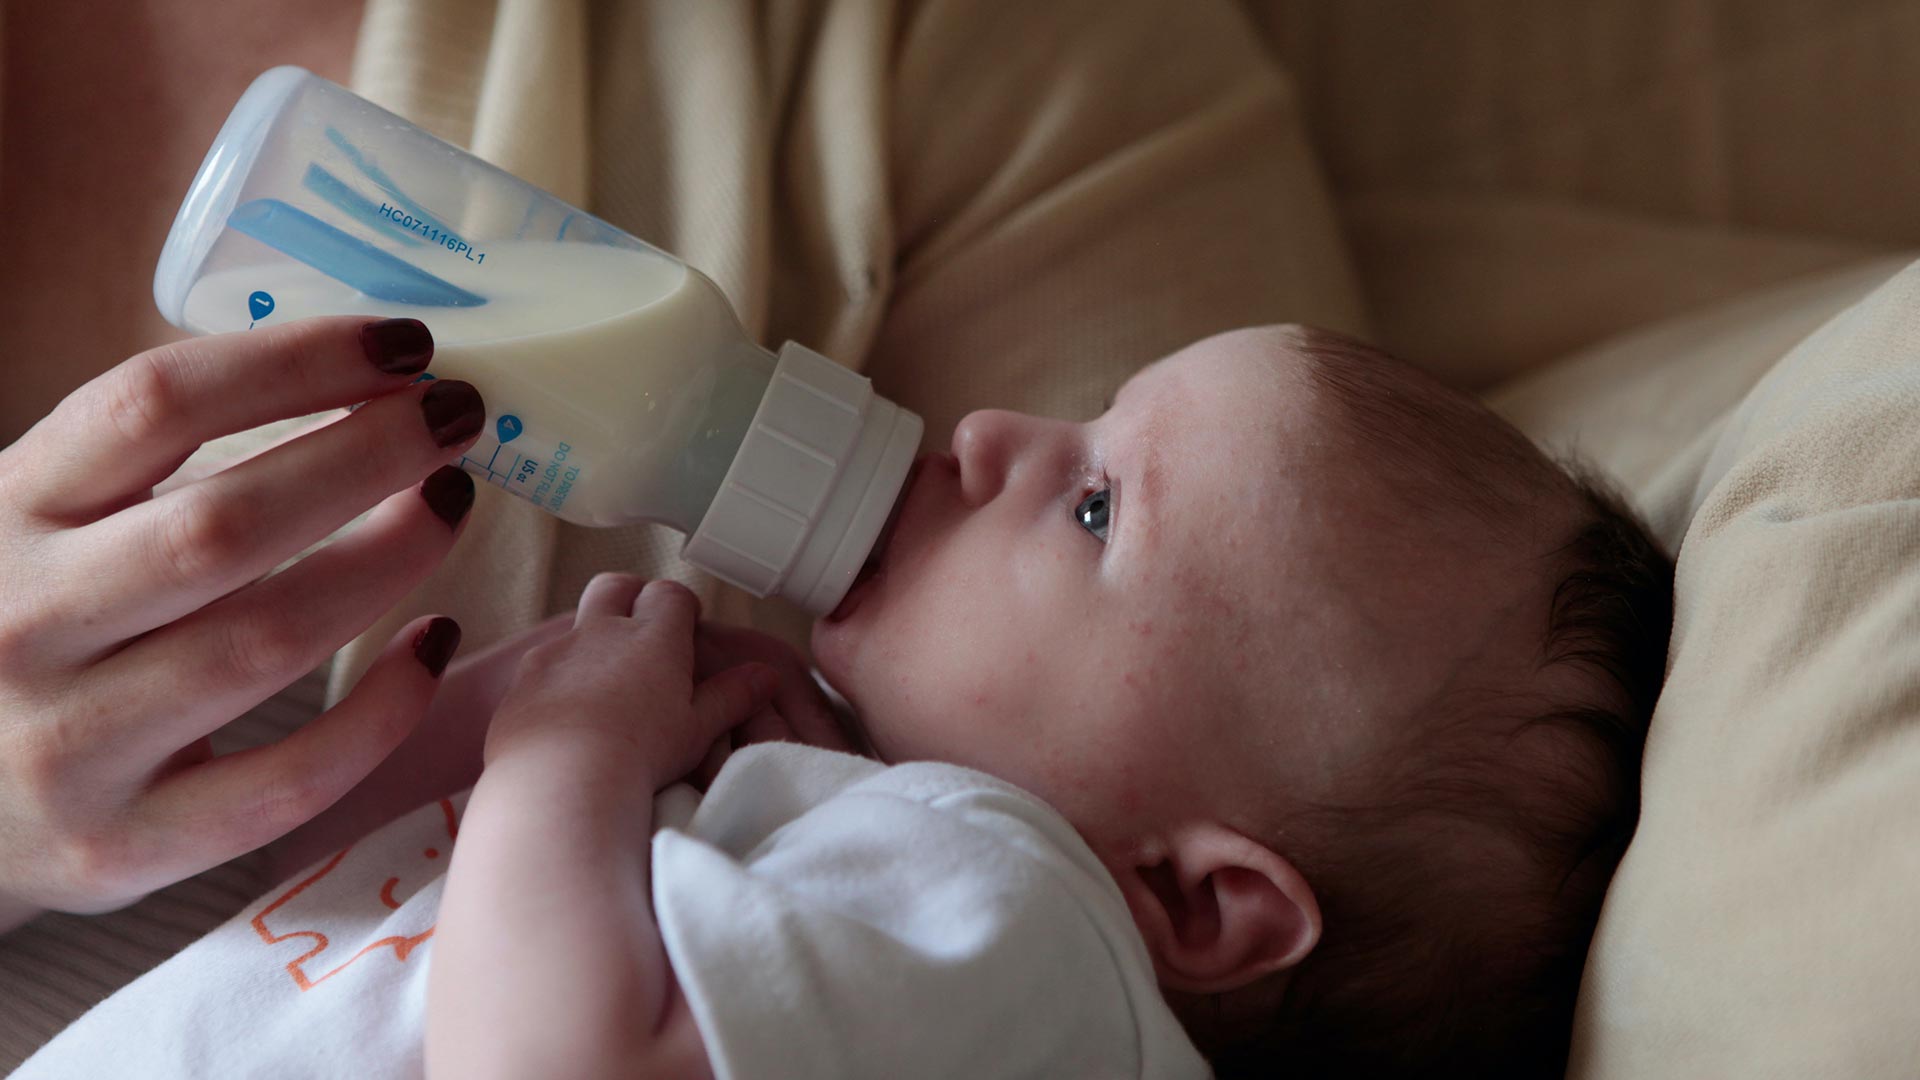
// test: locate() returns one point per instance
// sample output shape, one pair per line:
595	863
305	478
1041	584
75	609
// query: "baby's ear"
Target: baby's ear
1219	910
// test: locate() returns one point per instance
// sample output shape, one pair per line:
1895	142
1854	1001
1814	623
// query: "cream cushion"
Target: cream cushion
1763	922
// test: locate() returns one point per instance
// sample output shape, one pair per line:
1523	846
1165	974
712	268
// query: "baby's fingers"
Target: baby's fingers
696	750
669	609
607	596
805	712
709	767
730	699
765	726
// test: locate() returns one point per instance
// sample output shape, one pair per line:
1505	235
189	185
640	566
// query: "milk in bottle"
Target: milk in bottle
619	384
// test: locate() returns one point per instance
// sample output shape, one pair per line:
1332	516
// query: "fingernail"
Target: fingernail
449	494
454	411
434	646
398	346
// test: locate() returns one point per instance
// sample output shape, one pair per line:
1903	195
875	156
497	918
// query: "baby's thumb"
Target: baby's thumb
729	698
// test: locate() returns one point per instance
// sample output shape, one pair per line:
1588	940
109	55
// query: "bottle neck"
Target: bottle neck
740	374
812	483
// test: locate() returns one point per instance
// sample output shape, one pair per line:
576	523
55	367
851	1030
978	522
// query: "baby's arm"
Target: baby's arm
546	959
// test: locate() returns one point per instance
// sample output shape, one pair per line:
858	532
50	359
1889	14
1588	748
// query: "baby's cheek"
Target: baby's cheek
962	716
986	692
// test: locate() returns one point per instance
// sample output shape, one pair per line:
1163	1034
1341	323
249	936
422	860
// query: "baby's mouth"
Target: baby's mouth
871	569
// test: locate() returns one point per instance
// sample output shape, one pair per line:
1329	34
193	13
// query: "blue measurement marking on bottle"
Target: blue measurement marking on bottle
487	464
486	471
260	305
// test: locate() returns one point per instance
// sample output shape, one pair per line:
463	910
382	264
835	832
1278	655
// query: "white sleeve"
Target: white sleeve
906	924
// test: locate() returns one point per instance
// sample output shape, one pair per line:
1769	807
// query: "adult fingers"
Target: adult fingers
206	814
157	561
194	471
230	655
126	430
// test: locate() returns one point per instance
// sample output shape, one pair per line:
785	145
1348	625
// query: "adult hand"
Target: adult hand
132	624
441	756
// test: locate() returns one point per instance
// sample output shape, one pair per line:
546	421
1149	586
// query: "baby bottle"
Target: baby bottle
619	384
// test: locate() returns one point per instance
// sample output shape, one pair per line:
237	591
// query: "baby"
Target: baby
1342	682
1285	718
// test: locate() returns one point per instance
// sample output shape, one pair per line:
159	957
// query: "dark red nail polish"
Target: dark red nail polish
449	494
434	646
398	346
454	411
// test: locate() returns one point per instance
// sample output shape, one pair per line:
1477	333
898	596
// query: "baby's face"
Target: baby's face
1117	615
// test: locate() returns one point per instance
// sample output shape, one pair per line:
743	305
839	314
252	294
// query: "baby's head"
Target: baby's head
1343	680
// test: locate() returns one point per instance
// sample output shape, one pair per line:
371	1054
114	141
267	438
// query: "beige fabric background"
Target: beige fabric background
1020	208
1518	179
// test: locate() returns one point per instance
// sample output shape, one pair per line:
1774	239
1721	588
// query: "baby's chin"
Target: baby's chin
829	644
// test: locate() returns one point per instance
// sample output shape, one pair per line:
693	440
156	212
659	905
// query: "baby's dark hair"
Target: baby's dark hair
1458	911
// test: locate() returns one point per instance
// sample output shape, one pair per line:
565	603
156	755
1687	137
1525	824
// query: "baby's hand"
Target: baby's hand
799	712
622	680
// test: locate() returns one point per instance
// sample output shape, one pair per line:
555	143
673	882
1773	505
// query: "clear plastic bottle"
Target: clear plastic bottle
619	384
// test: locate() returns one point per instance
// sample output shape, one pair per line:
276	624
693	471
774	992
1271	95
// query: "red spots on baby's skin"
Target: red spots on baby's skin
1144	627
433	853
1030	656
1128	678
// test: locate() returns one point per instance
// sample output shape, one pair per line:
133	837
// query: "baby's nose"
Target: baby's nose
983	446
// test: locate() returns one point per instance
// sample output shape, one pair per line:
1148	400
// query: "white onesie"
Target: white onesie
826	916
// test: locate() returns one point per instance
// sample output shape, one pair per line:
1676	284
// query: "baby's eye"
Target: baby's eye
1092	512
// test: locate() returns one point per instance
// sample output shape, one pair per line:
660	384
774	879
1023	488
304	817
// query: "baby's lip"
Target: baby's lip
892	524
871	569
